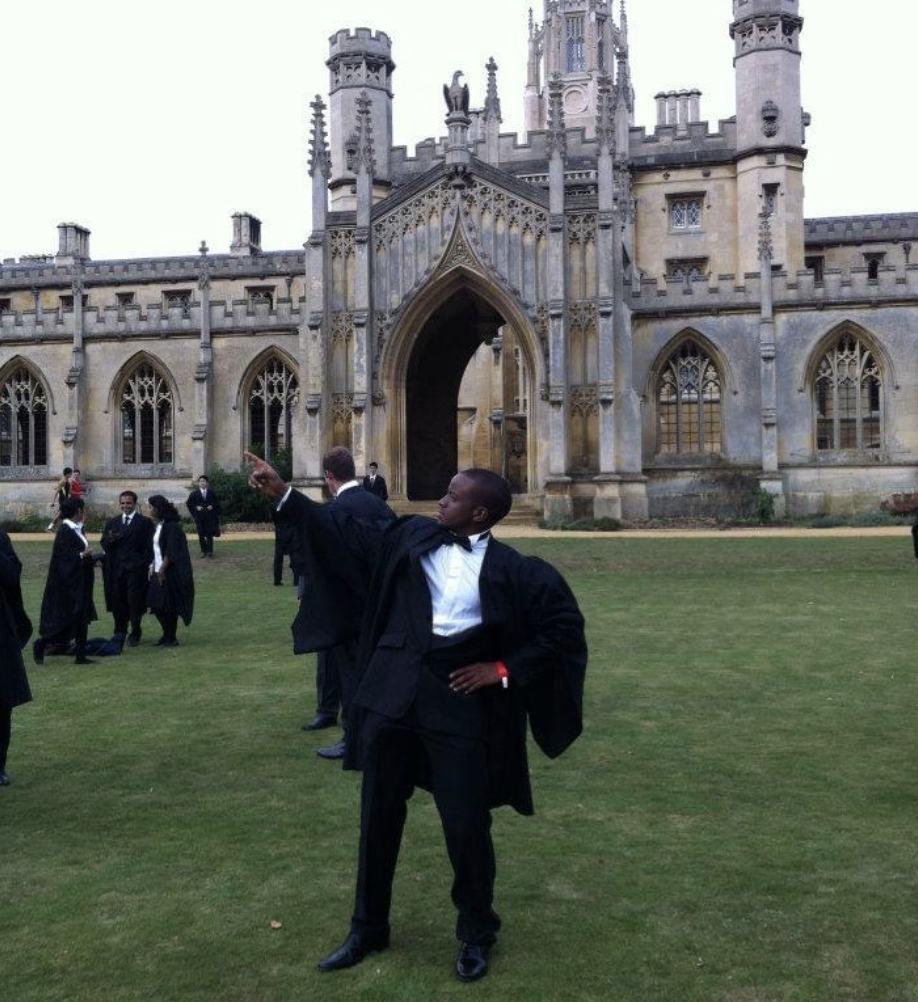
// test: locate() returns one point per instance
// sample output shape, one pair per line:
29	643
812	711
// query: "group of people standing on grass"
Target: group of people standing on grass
146	566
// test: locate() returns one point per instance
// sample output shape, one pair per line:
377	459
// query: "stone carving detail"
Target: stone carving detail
342	243
342	408
582	317
584	401
342	327
581	228
319	156
770	116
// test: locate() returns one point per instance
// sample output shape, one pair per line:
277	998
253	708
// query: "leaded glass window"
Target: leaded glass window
685	213
847	398
576	45
689	403
272	396
146	417
23	420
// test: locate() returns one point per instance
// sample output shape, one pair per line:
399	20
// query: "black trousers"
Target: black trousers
6	726
130	600
206	541
328	684
458	769
168	620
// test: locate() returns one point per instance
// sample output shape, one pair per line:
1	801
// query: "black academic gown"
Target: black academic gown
15	629
335	545
176	594
67	606
207	520
533	625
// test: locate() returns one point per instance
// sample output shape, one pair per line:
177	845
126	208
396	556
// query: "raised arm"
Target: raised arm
264	477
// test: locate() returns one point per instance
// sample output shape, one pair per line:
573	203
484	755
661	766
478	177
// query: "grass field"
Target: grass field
737	823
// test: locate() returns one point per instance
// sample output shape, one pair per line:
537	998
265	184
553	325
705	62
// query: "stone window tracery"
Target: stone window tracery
23	420
272	396
689	403
685	213
847	398
146	417
576	44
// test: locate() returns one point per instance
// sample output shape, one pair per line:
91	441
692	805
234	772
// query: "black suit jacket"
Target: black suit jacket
532	624
335	543
207	520
128	551
377	487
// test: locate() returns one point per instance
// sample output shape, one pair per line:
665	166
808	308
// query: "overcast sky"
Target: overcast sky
151	123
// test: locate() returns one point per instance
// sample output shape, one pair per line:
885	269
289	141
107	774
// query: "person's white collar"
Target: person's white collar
346	487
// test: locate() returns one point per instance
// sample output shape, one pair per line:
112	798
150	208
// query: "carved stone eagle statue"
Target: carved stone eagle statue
456	94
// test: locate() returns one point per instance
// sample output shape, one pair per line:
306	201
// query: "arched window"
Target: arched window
145	405
689	403
847	397
23	420
272	396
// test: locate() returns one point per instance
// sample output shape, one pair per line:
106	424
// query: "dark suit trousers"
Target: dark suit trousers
455	750
459	773
6	724
328	684
130	600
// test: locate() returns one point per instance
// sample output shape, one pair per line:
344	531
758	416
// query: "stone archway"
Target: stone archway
434	419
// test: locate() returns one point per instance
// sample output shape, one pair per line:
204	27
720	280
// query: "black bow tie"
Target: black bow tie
449	538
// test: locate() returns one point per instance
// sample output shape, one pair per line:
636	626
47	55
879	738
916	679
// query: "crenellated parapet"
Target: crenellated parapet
837	287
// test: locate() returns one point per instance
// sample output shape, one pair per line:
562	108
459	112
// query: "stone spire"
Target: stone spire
556	137
492	101
319	156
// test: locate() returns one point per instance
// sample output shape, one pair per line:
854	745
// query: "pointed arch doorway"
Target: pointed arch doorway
467	399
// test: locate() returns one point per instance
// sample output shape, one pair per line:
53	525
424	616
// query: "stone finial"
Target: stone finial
366	153
605	114
556	137
623	88
492	101
319	156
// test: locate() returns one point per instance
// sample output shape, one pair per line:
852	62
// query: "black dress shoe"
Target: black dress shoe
333	751
38	651
133	640
472	962
353	950
320	722
4	779
162	642
84	661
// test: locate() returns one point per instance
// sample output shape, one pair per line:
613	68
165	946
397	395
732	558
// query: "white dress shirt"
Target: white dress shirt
452	574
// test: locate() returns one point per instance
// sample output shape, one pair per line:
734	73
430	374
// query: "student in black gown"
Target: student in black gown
15	630
171	594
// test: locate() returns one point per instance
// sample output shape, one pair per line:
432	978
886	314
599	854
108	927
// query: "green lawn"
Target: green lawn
738	821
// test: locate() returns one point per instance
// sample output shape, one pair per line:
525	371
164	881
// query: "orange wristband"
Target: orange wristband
502	673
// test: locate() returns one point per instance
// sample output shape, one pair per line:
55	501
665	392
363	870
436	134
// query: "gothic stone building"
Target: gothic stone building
625	322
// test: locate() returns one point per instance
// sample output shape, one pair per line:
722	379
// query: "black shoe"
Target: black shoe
133	640
320	722
38	651
353	950
85	661
333	751
4	779
472	962
162	642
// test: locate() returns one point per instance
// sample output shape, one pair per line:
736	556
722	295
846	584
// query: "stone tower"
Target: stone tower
769	129
578	40
360	63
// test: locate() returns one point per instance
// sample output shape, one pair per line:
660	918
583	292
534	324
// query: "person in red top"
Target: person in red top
77	490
